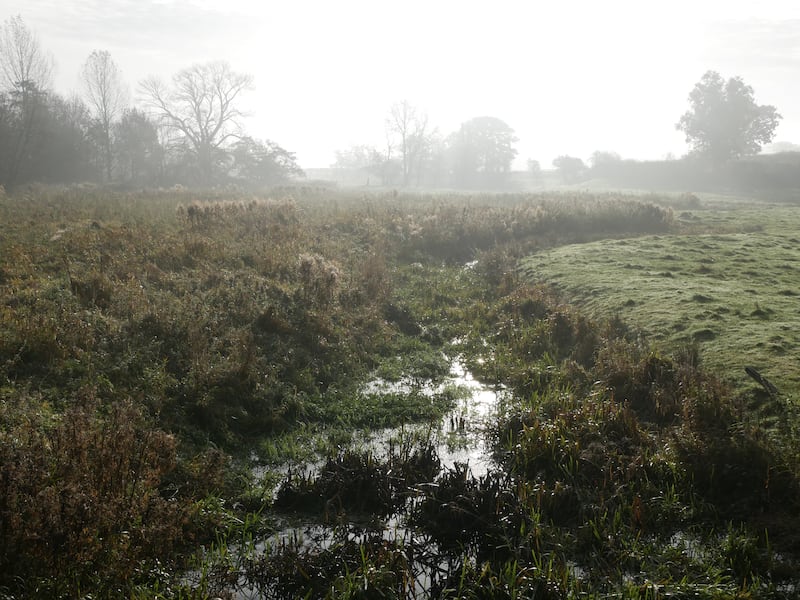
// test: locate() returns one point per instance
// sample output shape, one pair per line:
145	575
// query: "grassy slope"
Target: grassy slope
733	292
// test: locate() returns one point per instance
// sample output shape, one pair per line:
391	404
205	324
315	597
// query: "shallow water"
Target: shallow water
460	437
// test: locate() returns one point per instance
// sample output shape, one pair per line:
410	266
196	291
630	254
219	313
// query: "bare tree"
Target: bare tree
107	96
410	126
26	73
201	105
22	60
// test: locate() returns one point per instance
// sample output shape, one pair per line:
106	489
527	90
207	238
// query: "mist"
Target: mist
567	81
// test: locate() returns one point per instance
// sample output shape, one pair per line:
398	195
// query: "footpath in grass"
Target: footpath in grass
733	293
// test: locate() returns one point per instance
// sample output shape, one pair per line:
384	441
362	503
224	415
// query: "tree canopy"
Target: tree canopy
262	163
187	132
724	122
482	150
202	106
571	168
407	127
140	156
26	72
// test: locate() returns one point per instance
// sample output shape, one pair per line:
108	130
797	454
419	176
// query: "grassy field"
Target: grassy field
158	349
727	279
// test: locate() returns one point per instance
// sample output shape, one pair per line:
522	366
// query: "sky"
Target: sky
570	77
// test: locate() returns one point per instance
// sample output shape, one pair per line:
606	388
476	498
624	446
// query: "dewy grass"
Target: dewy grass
732	294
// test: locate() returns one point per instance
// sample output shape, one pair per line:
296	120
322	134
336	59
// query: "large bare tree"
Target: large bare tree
105	91
26	72
201	105
409	125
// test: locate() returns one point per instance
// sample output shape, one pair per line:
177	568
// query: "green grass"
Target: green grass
733	293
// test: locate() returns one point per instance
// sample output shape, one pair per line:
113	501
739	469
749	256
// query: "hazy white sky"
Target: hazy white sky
570	77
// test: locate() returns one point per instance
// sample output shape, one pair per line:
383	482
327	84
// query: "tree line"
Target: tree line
187	131
723	126
725	129
477	156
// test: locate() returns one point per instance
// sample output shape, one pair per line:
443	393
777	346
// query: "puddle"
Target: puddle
466	424
460	437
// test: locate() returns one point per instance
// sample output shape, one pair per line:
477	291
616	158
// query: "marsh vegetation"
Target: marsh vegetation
189	407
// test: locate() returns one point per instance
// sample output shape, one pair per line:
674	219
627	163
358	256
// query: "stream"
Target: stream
459	439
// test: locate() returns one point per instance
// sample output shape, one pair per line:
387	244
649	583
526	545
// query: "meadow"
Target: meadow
725	279
183	374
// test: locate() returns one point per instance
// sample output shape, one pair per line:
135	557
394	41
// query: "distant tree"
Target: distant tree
6	134
366	158
782	146
534	169
571	168
357	157
408	125
139	154
105	91
22	60
724	121
58	147
436	166
263	163
64	152
25	76
601	159
201	105
605	164
482	151
391	167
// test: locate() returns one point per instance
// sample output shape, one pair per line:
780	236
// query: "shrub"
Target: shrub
80	507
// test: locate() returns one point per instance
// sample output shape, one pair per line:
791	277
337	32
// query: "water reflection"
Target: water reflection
460	437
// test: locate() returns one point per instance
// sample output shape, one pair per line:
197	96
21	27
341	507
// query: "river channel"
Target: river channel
460	440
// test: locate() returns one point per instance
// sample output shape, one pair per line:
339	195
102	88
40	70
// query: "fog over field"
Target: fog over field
569	78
